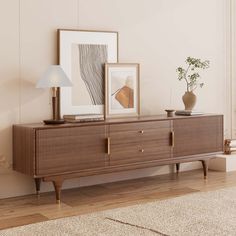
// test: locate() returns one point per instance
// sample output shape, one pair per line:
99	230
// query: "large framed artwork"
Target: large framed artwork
122	90
82	55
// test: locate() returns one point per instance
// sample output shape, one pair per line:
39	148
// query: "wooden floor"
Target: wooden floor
30	209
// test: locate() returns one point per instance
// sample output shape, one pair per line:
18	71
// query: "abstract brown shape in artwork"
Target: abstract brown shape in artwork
125	97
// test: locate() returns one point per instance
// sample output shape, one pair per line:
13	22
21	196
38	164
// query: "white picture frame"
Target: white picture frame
122	88
80	98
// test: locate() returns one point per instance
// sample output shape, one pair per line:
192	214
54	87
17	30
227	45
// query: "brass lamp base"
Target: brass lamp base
53	122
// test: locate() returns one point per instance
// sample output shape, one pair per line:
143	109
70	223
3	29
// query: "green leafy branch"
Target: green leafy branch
190	75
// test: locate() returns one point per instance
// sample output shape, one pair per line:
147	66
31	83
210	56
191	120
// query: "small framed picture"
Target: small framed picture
122	96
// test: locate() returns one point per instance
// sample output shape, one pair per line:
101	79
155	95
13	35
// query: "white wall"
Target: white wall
159	34
232	66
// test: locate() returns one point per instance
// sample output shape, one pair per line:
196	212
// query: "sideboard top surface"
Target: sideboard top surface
114	121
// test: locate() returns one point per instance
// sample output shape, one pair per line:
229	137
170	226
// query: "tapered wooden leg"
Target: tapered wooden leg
205	168
177	168
57	186
37	185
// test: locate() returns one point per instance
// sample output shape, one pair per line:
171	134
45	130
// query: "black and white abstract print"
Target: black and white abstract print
91	64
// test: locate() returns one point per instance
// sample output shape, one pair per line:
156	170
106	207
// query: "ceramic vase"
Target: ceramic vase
189	100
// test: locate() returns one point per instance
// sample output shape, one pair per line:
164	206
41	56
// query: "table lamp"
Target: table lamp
54	78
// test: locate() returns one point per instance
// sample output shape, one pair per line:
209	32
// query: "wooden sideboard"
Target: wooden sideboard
58	152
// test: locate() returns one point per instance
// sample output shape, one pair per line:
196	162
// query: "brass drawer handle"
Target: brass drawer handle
172	138
108	145
141	131
141	150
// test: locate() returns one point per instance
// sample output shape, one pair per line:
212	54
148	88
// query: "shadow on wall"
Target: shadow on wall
161	170
10	107
11	91
6	147
4	163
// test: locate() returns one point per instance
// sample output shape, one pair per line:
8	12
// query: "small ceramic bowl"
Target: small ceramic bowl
170	112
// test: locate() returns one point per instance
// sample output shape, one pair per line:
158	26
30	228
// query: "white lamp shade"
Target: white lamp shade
54	76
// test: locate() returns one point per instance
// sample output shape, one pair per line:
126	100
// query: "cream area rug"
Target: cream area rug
211	213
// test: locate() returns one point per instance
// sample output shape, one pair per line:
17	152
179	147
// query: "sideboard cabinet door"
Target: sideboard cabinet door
61	150
198	135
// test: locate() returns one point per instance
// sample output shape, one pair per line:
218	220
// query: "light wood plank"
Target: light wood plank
22	220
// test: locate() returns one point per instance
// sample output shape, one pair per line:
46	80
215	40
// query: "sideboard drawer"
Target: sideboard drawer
70	149
138	132
138	126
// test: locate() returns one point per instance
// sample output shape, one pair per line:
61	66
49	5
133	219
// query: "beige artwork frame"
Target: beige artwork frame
123	98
